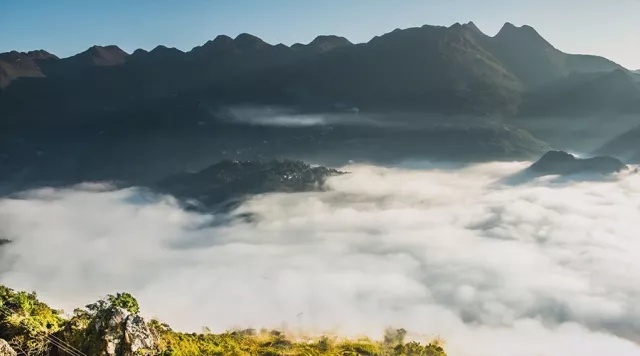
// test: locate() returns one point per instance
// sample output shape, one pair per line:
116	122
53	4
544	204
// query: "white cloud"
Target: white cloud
533	269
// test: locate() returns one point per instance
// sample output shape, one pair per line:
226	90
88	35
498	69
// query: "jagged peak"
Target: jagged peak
467	27
512	33
472	26
508	29
41	54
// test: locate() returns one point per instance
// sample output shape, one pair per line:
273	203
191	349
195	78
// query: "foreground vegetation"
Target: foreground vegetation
111	326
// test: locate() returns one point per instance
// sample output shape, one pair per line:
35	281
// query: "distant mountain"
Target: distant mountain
454	70
232	180
625	146
105	114
562	163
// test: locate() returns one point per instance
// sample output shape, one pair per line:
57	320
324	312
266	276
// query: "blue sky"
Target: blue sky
605	27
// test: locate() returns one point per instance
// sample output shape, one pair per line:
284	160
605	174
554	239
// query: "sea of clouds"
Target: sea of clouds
539	268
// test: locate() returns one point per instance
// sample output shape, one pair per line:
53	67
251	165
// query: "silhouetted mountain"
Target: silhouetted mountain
323	44
455	69
98	56
232	180
562	163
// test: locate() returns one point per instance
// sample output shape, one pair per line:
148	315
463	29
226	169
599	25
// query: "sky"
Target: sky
64	27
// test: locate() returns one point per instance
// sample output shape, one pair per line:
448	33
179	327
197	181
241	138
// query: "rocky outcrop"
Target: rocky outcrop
6	350
123	334
110	331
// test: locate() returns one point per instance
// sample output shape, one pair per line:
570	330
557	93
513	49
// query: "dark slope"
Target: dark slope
190	140
614	92
625	146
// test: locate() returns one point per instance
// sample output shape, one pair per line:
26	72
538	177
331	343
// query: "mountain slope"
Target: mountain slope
586	94
534	61
625	146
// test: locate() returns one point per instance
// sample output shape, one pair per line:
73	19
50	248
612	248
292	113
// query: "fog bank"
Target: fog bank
535	269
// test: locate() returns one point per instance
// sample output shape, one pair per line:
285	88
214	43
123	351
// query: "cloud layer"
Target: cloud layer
535	269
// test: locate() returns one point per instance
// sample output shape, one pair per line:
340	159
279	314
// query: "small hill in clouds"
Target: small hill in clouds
563	163
232	180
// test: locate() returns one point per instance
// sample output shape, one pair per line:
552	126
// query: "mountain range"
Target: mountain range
456	69
432	92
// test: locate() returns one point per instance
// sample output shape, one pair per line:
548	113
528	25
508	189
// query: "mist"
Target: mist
541	268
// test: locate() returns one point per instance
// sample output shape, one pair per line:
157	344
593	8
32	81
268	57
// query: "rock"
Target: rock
138	339
563	163
6	350
124	334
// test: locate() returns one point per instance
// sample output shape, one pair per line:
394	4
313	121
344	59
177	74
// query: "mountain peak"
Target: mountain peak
222	39
101	56
41	54
509	29
524	35
328	42
247	41
472	26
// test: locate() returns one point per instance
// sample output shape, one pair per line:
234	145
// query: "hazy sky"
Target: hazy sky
605	27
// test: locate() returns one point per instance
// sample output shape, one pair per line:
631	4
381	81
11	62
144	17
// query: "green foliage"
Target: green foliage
274	343
125	301
25	321
121	300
